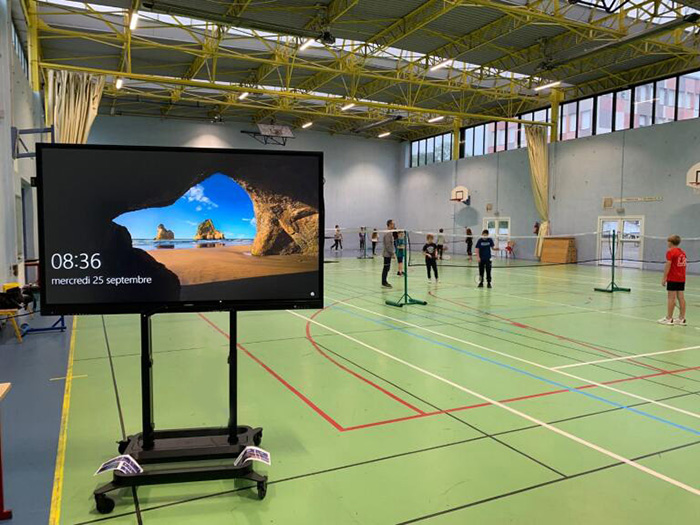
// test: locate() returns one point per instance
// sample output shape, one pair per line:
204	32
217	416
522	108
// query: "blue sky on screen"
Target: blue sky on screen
218	198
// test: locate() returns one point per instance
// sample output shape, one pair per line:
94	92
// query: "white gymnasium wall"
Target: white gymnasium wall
645	162
361	174
21	108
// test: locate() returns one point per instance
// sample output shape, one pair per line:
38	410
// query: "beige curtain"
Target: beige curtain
539	176
72	100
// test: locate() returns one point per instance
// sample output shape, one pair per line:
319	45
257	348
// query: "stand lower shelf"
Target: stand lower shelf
154	449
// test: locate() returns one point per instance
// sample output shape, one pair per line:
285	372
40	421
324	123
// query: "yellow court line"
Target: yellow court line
55	515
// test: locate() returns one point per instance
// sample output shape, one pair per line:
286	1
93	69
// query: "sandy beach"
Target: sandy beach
229	263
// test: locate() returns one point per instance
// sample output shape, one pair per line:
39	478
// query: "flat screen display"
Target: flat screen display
142	230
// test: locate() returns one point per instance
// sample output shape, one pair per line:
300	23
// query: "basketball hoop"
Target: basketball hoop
460	194
693	178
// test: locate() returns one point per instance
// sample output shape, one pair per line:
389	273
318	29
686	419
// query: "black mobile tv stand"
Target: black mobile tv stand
196	444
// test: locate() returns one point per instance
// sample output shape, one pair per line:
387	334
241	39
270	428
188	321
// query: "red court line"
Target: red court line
340	428
279	378
545	332
513	399
352	372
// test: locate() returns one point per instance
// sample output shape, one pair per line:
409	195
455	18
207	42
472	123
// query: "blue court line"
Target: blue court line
524	372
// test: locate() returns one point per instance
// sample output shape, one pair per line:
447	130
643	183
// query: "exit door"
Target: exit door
629	241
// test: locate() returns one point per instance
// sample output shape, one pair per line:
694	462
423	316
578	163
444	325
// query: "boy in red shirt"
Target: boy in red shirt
674	280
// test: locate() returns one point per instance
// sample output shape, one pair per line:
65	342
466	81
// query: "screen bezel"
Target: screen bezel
180	306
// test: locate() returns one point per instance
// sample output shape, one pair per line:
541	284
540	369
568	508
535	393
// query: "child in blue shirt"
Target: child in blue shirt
400	250
483	255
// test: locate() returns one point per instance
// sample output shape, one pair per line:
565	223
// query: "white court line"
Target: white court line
531	363
512	410
643	286
623	358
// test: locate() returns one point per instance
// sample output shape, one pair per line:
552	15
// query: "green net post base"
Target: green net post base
405	300
612	288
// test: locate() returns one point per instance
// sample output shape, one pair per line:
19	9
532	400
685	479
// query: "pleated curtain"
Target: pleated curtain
71	102
539	178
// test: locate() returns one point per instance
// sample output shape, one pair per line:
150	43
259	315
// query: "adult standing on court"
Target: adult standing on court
388	251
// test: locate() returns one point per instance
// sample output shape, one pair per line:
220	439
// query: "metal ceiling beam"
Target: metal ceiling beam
212	39
142	42
674	25
34	51
349	61
159	6
331	13
282	95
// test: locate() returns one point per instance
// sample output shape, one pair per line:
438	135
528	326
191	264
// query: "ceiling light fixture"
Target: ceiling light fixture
436	119
307	125
385	134
243	95
133	20
442	64
547	86
347	106
119	83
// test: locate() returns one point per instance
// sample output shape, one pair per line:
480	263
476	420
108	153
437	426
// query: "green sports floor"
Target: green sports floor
531	403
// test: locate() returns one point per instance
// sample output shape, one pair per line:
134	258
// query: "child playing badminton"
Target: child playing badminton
674	280
483	255
400	251
430	250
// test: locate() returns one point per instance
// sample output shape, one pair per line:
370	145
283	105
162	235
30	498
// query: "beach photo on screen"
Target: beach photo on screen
209	235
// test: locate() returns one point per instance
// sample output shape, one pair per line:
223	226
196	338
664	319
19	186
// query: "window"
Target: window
585	117
469	142
490	138
623	109
19	51
479	140
438	148
605	114
523	138
689	96
567	126
665	110
447	147
512	139
414	154
421	153
430	156
643	105
500	136
666	100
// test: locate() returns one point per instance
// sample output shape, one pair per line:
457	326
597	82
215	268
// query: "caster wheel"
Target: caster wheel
257	439
121	447
104	503
262	489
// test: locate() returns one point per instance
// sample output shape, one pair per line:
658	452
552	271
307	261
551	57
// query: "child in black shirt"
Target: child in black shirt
430	250
483	253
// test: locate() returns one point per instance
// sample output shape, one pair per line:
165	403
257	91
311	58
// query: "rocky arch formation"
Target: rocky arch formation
284	224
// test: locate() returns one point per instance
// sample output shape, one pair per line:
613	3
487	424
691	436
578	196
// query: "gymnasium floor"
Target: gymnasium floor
467	410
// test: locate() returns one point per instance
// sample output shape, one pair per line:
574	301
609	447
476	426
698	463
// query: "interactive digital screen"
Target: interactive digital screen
139	229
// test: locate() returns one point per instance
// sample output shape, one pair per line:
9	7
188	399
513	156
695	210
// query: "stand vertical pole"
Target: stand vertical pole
147	383
614	245
406	298
613	287
233	378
